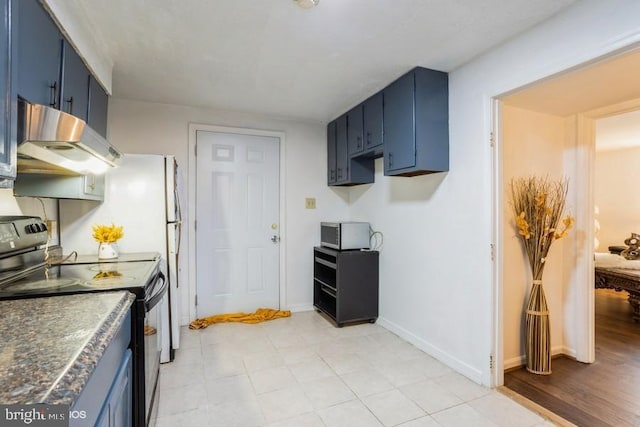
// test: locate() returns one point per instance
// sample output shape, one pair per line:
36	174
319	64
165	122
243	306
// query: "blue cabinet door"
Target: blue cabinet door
355	130
399	124
116	411
342	152
74	91
372	111
98	107
7	96
331	153
39	47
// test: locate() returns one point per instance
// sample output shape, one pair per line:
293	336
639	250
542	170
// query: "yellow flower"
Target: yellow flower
567	223
107	233
523	226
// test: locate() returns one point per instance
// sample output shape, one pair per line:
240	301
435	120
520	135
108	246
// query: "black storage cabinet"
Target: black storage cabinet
345	284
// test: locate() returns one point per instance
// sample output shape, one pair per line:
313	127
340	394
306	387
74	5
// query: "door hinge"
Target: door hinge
491	362
195	150
492	139
195	225
493	252
196	299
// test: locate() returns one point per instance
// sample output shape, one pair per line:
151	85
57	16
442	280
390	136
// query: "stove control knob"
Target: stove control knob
34	228
41	227
27	229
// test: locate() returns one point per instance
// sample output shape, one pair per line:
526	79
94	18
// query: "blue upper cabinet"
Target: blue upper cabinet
7	89
331	153
355	130
407	122
372	111
98	107
39	54
342	152
74	91
416	124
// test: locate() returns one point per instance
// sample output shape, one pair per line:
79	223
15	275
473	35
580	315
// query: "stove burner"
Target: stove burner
43	284
99	280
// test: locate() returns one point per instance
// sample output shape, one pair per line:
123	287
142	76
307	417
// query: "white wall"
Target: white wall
141	127
436	271
616	175
10	205
533	144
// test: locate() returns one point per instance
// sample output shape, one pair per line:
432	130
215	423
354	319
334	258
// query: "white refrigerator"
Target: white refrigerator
142	195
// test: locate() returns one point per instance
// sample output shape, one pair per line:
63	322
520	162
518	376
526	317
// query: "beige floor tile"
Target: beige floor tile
346	363
392	407
229	389
367	382
181	399
349	414
283	404
220	365
306	420
172	376
400	374
326	392
195	418
245	413
311	370
462	387
430	396
272	379
504	411
257	362
421	422
462	416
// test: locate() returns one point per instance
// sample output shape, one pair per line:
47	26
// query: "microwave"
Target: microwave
345	235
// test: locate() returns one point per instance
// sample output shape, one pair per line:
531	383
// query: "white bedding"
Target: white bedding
608	260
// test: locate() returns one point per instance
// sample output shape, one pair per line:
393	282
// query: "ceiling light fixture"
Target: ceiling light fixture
307	4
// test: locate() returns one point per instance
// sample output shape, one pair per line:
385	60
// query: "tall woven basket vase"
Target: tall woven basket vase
538	333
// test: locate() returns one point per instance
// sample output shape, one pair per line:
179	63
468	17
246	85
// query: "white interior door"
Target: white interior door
237	217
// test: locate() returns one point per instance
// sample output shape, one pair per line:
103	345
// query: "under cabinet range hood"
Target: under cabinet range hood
51	141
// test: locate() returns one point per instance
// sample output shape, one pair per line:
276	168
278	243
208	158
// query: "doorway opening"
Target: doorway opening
549	129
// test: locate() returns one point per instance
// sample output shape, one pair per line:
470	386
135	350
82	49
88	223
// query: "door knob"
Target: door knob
275	238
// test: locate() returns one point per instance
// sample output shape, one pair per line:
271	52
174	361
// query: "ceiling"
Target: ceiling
273	57
608	82
618	132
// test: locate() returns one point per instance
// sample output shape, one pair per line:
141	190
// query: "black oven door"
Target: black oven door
152	342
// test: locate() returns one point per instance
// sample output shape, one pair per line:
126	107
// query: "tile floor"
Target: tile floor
304	372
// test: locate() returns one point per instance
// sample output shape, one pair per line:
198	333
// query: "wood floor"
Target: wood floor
604	393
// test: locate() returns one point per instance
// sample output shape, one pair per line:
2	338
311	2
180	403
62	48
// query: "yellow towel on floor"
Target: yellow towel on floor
261	315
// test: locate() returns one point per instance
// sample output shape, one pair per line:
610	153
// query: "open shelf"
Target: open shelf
345	284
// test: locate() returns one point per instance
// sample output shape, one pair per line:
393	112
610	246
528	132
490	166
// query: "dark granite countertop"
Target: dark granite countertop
50	346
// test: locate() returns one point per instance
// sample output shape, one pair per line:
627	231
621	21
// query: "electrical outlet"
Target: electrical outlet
310	203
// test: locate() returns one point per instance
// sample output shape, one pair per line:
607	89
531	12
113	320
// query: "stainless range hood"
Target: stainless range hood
51	141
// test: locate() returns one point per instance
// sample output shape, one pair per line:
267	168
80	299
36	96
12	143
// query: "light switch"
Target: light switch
310	203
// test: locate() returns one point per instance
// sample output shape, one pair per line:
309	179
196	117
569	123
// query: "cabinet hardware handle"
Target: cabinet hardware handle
339	173
368	138
359	140
70	104
53	94
390	159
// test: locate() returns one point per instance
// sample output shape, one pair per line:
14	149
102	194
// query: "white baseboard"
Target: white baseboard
444	357
296	308
517	361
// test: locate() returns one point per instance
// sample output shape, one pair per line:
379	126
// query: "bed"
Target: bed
614	272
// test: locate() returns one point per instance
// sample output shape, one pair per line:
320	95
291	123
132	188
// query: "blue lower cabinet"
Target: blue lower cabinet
106	399
116	411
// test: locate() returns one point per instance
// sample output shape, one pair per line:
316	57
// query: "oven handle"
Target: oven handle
156	296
